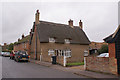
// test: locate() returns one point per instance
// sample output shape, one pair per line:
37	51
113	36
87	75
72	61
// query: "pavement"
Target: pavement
75	70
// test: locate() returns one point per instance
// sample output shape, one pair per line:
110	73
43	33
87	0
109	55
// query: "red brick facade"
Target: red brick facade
101	64
111	49
97	45
22	46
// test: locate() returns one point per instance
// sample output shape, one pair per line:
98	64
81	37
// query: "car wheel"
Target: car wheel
17	60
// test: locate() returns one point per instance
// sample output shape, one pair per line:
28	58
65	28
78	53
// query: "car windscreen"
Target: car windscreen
7	52
22	53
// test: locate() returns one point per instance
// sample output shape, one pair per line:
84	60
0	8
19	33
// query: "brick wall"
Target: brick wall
77	51
100	64
113	65
32	48
111	49
23	47
60	60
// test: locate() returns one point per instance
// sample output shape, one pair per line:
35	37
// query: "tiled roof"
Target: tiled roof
25	39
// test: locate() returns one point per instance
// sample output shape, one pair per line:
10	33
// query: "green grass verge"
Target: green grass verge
75	64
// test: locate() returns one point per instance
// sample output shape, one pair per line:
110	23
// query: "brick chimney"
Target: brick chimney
5	44
18	39
22	35
80	24
70	22
31	32
37	17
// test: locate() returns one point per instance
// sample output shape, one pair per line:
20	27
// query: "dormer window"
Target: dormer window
52	40
67	41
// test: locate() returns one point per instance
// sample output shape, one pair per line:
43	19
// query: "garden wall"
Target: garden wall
101	64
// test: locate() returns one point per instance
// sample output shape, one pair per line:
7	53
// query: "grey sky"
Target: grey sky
119	13
100	19
0	23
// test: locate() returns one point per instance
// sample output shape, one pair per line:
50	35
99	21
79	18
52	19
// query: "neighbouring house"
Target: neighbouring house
95	46
114	47
0	48
109	64
22	44
50	39
5	47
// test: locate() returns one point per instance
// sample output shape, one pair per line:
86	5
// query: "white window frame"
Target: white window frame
52	40
68	53
25	45
51	52
67	41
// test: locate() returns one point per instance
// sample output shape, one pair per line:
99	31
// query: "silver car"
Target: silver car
6	54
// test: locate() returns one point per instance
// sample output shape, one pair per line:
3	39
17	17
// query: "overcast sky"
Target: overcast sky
100	19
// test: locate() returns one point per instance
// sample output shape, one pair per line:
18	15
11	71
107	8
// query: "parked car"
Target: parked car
2	53
21	56
103	55
12	54
6	54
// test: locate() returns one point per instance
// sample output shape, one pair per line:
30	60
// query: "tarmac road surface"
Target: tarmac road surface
12	69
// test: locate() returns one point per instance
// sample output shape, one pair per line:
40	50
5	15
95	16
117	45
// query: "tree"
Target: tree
103	49
10	47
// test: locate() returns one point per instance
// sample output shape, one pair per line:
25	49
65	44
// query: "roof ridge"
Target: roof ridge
52	23
25	37
115	32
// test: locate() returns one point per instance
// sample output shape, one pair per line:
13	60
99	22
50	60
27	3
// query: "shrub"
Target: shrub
103	49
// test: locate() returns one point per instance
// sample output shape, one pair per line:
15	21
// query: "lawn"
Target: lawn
75	64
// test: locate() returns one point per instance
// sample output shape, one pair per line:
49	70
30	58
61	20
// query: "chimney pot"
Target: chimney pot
37	11
5	44
70	22
30	33
31	30
37	17
18	39
22	35
80	24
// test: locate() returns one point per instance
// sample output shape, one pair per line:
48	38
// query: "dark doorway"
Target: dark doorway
53	59
118	65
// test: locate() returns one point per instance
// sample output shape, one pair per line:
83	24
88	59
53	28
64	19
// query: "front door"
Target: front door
53	59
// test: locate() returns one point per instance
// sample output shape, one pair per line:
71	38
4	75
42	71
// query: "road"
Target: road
12	69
